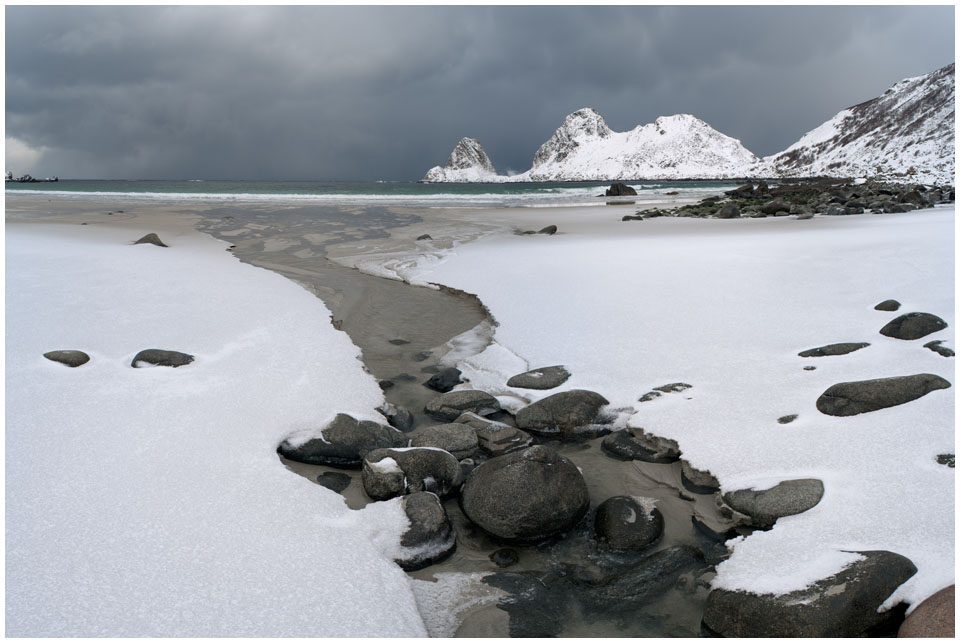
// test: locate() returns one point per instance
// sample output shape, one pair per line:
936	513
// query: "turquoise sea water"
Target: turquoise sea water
360	192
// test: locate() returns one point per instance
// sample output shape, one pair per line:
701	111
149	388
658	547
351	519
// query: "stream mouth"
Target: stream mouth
403	333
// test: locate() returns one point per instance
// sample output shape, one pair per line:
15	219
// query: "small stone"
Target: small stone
788	498
449	406
786	419
628	523
853	398
422	355
159	357
151	238
505	557
676	387
72	359
397	416
334	481
888	305
833	349
430	538
948	459
809	368
635	444
496	438
913	326
424	237
550	229
385	384
398	342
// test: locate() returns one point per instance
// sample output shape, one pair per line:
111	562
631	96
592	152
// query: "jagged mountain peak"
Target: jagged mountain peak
468	162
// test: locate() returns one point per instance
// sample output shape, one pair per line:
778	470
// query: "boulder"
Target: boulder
777	205
635	444
526	496
72	359
788	498
151	238
159	357
936	347
913	326
844	605
628	522
449	406
643	582
550	229
444	380
341	443
620	189
853	398
947	459
697	481
397	416
458	439
496	438
543	378
388	473
562	413
833	349
430	537
728	211
933	618
424	237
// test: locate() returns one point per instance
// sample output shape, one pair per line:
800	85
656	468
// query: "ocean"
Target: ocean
401	193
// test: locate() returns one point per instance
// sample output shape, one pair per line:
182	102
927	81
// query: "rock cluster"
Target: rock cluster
806	198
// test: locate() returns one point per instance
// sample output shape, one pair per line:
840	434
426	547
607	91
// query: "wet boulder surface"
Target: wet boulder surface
562	414
430	537
844	605
457	439
388	473
913	326
342	443
628	522
449	406
544	378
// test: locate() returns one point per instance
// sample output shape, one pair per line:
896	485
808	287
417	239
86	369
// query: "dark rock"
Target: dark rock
398	342
537	607
505	557
635	444
728	211
161	358
526	496
562	413
651	395
913	197
632	217
343	443
888	304
151	238
933	618
627	522
809	368
853	398
422	355
550	229
834	349
777	205
741	191
643	582
620	189
445	380
458	439
788	498
496	438
397	416
676	387
385	384
543	378
72	359
913	326
430	538
424	237
786	419
697	481
449	406
836	210
334	481
948	459
710	199
844	605
388	473
940	350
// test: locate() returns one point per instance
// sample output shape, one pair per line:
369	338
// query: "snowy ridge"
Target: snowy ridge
468	163
673	147
906	132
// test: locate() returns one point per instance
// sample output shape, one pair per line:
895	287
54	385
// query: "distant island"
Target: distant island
26	178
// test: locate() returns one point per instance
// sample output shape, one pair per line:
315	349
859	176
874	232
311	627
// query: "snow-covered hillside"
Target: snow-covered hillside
906	132
673	147
468	163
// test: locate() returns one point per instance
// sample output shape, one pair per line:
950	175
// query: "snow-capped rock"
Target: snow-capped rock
584	148
468	163
908	132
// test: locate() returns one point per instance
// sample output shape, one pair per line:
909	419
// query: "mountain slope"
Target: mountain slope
910	126
468	163
584	148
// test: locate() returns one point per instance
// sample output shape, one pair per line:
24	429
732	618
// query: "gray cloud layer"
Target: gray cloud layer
386	92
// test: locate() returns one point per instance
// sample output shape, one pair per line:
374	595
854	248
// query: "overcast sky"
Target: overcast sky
386	92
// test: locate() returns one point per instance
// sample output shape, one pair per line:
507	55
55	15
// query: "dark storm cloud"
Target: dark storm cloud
385	92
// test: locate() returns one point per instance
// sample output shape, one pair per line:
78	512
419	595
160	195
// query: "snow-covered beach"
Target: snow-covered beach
156	495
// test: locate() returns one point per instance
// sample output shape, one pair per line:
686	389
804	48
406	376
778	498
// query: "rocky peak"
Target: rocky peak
468	162
578	127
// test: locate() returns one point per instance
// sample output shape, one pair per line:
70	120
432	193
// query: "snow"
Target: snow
151	502
726	306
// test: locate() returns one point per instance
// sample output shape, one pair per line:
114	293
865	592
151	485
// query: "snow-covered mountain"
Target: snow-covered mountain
910	126
468	163
584	148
